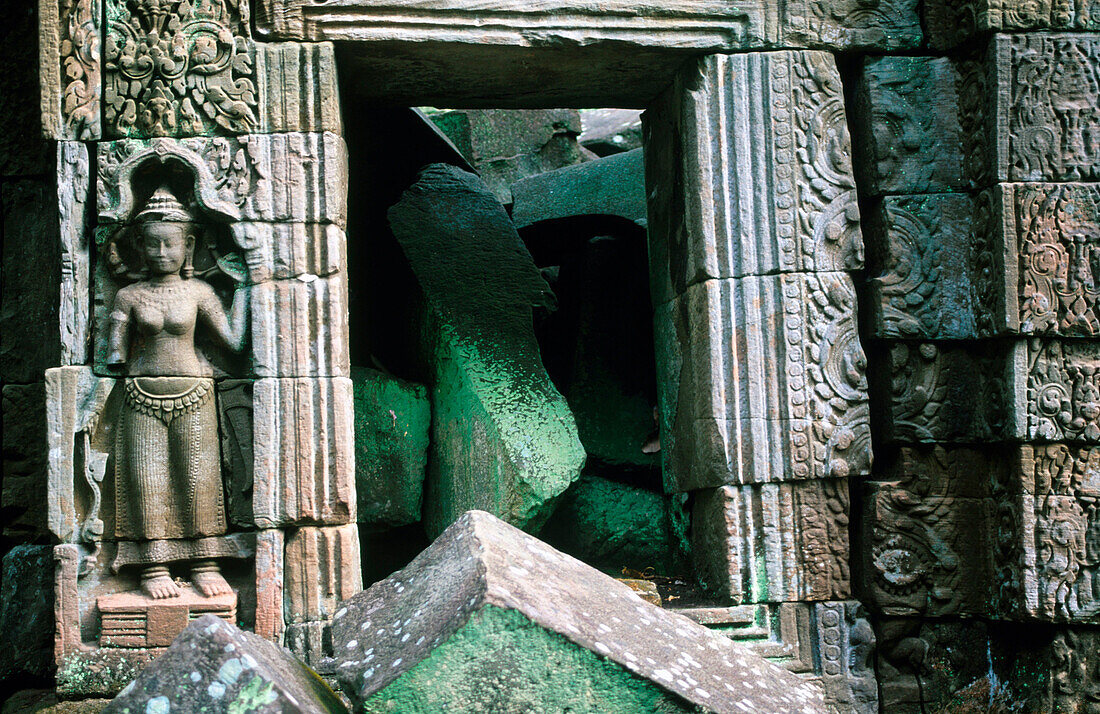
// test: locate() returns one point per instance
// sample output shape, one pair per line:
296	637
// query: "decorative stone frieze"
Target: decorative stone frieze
762	380
303	462
321	569
263	177
70	69
73	204
1056	391
300	328
727	202
773	542
952	22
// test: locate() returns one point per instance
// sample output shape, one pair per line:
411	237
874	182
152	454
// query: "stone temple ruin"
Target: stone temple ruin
428	355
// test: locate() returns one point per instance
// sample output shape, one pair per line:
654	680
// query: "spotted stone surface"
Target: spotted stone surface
214	667
481	562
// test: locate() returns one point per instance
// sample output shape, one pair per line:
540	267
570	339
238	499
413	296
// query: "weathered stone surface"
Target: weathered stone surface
298	177
831	643
505	146
300	328
773	542
234	397
70	71
945	393
908	124
726	201
612	526
690	25
30	334
1054	391
952	22
321	569
73	204
762	379
1047	98
606	132
922	250
78	419
510	623
392	426
279	251
212	666
23	499
26	613
311	643
270	573
243	88
503	438
304	454
612	186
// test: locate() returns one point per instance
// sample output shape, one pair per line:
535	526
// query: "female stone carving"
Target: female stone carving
168	489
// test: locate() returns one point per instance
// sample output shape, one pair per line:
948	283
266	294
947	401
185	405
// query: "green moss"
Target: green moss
502	662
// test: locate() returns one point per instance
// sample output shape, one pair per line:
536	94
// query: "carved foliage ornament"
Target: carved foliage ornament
178	67
79	51
1063	391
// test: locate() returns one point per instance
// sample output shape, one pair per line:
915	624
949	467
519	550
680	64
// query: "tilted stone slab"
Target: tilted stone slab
470	622
70	68
762	380
953	22
611	186
727	201
503	438
392	432
303	443
773	542
294	177
214	667
921	124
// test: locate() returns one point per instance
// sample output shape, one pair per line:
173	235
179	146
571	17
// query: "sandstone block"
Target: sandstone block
952	22
611	186
321	568
773	542
280	251
303	452
270	571
392	426
727	202
23	500
26	613
73	197
1053	383
213	666
487	601
909	119
944	393
503	438
762	380
294	177
70	68
300	327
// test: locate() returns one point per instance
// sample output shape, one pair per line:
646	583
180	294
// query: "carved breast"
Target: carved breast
172	310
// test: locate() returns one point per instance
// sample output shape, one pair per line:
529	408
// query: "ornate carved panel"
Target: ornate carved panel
773	542
70	68
763	381
951	22
726	201
1056	386
1048	115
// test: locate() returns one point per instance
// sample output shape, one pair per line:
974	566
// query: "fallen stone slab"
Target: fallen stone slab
490	619
503	438
215	667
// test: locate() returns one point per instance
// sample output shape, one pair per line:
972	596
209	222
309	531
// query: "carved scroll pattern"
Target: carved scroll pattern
1063	392
79	52
1058	234
178	67
826	210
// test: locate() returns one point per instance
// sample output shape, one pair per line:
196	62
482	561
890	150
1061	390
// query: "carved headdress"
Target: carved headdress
164	206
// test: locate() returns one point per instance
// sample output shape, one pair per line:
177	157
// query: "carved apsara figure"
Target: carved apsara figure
168	488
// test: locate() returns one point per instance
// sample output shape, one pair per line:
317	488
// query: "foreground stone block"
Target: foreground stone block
773	542
212	666
762	380
509	609
70	68
26	613
392	426
503	438
304	454
726	202
296	177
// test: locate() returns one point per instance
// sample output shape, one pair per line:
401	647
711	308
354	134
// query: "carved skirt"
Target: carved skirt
167	464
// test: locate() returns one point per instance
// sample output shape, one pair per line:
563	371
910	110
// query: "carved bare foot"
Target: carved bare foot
158	584
206	577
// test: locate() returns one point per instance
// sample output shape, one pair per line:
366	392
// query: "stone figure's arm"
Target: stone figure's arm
231	329
118	337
